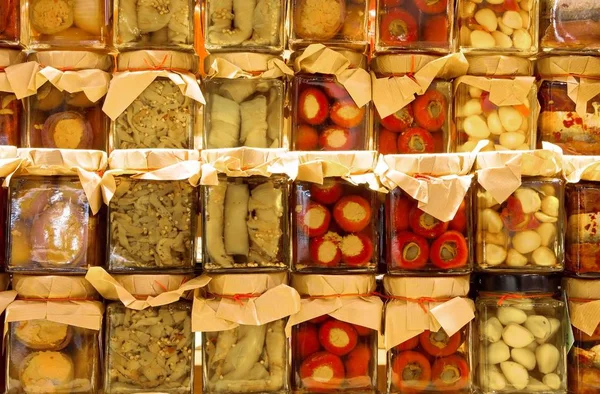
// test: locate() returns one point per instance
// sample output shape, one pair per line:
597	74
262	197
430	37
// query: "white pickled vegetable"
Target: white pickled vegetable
526	241
525	357
547	357
509	314
516	336
515	373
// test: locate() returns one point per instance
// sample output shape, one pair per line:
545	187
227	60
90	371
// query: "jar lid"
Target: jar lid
499	66
149	285
400	64
157	60
247	61
357	60
588	289
75	60
9	57
562	66
52	287
227	284
332	285
518	283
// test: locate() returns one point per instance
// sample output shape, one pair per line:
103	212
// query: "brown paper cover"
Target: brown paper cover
499	66
317	58
413	74
144	291
265	298
6	296
149	60
347	298
503	91
242	162
52	286
578	168
438	182
9	160
585	315
500	172
246	65
407	319
74	60
8	57
84	314
20	79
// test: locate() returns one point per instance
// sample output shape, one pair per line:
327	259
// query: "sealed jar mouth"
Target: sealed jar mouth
519	283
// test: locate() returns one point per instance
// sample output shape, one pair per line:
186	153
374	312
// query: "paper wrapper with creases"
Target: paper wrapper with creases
247	65
86	164
157	59
74	60
9	161
578	168
51	286
317	58
503	91
392	93
500	172
499	66
573	70
407	319
355	167
438	182
585	316
340	303
8	57
151	165
242	162
269	298
6	296
144	291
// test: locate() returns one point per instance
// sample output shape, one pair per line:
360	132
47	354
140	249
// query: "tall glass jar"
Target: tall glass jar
245	25
10	106
324	115
491	26
162	113
496	101
168	24
66	113
245	109
10	26
521	344
569	26
420	25
567	120
337	23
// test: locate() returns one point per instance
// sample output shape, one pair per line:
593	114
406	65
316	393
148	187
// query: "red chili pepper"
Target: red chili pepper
306	340
409	344
431	6
430	110
426	225
450	373
409	251
449	250
338	337
436	30
416	140
322	371
515	219
398	26
459	221
401	207
327	193
486	105
387	143
511	5
391	3
313	106
411	372
352	213
399	120
439	344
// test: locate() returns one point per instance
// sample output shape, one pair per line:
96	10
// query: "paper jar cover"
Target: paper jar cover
499	66
74	60
149	159
581	168
502	91
52	286
584	303
8	57
6	296
9	161
84	314
406	319
156	59
246	65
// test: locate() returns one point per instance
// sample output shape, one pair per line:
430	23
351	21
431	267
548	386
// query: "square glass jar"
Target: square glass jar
245	224
448	359
419	243
582	369
51	227
249	359
43	356
322	360
422	126
335	227
244	112
10	26
491	26
160	117
58	119
324	116
336	23
569	26
150	350
10	119
507	127
164	24
525	232
152	226
415	26
244	25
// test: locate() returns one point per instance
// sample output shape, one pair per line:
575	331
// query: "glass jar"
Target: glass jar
245	224
149	350
254	25
581	244
10	29
45	356
337	23
229	365
423	26
61	115
161	116
521	343
335	227
10	106
244	111
483	110
51	227
152	225
331	354
568	26
525	232
421	243
509	28
153	25
423	125
66	23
